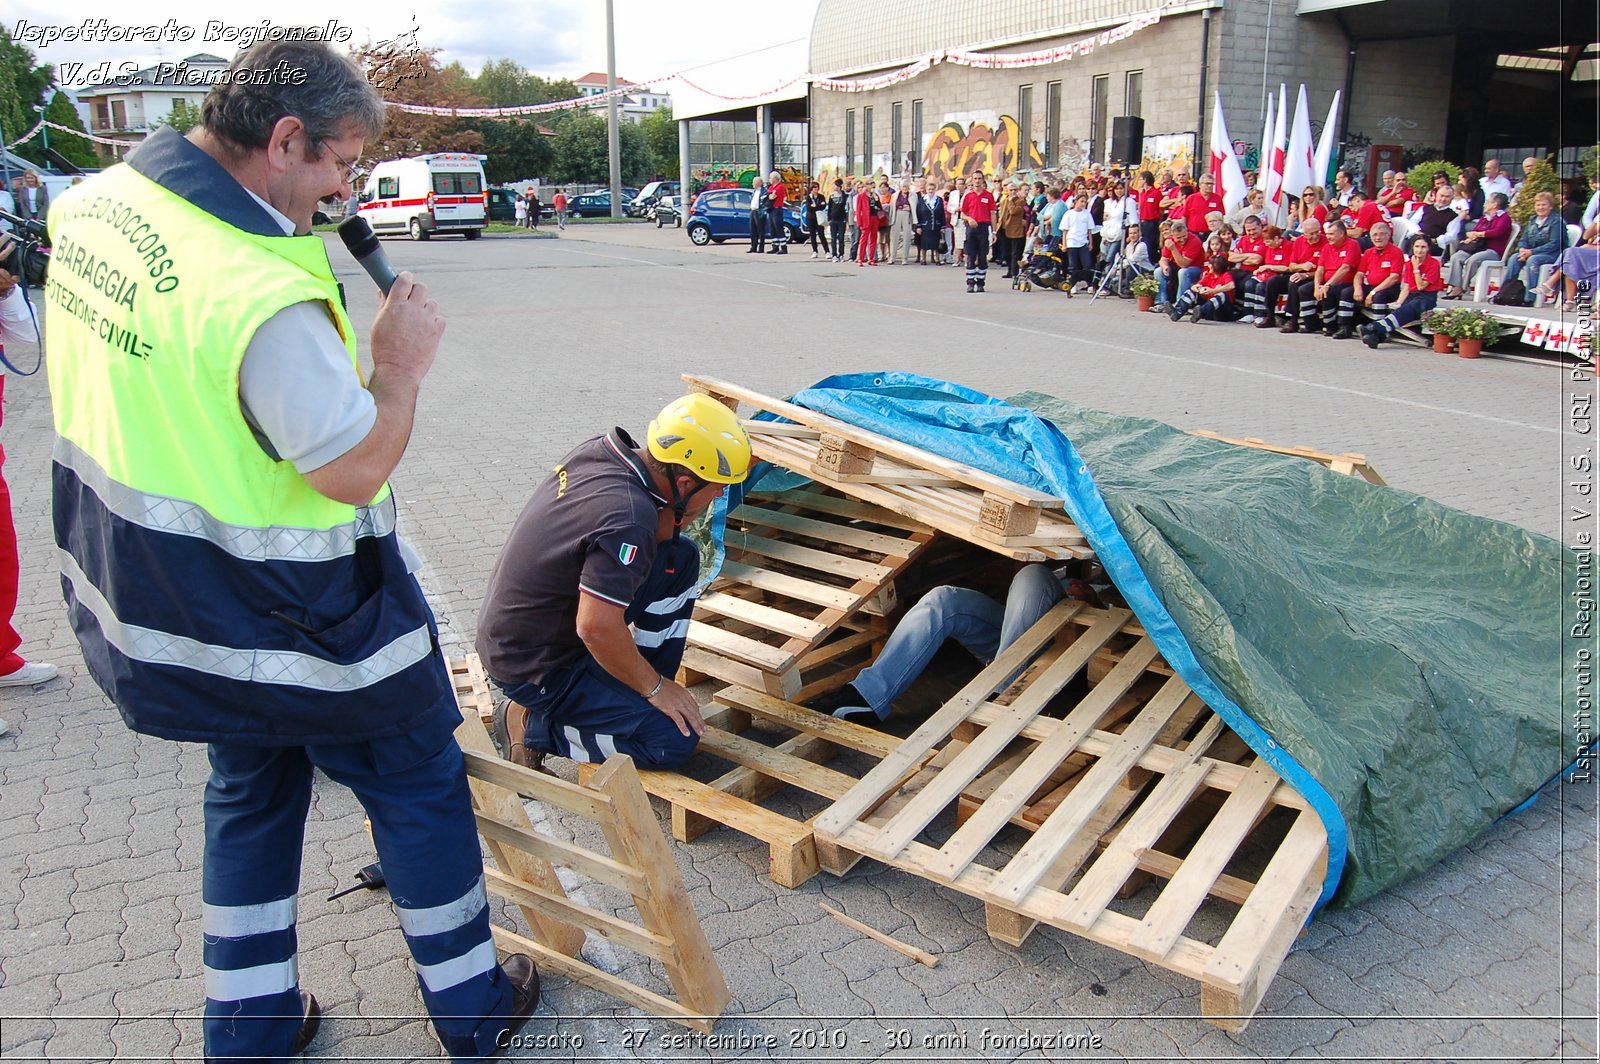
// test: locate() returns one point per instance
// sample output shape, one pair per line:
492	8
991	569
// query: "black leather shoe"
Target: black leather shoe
519	968
309	1025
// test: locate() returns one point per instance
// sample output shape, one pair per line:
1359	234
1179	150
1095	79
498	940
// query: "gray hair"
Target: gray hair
275	79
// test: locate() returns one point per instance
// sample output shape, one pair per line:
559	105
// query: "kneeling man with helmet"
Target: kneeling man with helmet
588	606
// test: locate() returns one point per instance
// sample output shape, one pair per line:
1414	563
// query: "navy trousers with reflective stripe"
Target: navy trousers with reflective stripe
583	712
414	791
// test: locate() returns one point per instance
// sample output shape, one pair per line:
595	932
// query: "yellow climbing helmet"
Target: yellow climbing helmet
703	436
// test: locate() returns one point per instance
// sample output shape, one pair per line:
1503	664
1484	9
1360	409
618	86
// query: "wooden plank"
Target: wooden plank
828	531
768	617
552	963
754	427
820	561
491	768
1003	517
841	732
911	820
597	867
887	774
795	771
664	906
696	659
619	932
837	456
503	804
897	476
1099	884
1065	822
795	587
882	444
1172	911
814	498
1254	946
739	647
742	816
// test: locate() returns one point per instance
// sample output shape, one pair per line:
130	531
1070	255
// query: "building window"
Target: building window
866	141
1052	123
119	114
850	141
1098	92
1024	120
916	136
896	147
1134	104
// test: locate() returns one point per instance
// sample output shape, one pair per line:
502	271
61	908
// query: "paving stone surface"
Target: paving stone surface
1490	955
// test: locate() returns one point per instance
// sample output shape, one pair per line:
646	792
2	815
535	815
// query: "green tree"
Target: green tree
76	150
579	149
661	143
516	149
22	87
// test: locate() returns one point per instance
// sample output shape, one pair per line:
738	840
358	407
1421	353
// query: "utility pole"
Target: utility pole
613	137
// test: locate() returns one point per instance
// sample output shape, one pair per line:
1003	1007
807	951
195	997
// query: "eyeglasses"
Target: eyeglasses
349	167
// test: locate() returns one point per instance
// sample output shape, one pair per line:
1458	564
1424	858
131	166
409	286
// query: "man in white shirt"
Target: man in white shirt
1494	181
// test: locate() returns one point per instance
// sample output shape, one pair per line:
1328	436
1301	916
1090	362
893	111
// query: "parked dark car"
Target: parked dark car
596	204
503	205
724	214
639	206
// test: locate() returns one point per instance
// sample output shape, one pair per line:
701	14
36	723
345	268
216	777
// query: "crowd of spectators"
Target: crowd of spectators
1339	261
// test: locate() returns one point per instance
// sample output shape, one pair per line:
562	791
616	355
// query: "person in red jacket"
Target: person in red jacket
1303	282
867	222
1337	264
1148	197
977	210
1201	203
1270	279
777	193
1182	255
1420	284
1377	282
1207	297
1360	217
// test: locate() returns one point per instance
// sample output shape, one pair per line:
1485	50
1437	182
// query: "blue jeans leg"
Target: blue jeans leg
1187	277
973	619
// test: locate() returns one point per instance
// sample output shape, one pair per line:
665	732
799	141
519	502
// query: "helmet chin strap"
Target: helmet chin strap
680	504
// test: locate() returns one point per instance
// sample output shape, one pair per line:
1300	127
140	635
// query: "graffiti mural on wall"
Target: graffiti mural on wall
1168	150
737	175
955	151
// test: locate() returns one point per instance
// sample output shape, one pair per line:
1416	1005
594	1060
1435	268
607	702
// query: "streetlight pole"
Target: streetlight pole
613	138
44	131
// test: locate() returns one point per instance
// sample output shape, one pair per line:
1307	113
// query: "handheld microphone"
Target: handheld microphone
363	244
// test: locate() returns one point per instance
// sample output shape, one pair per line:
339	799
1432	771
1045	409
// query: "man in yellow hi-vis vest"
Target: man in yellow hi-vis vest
227	535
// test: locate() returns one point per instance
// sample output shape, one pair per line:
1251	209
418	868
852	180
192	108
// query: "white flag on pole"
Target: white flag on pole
1276	204
1224	164
1324	156
1264	153
1297	173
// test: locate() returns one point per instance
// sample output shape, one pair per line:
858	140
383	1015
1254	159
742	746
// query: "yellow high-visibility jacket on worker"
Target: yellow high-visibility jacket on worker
216	595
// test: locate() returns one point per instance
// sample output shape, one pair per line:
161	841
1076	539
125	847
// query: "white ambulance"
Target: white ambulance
440	193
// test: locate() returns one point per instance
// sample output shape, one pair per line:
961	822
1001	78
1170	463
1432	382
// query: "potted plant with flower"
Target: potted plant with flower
1441	323
1144	289
1472	330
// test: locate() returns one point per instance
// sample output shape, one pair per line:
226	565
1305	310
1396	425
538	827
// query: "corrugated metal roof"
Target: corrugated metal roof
854	35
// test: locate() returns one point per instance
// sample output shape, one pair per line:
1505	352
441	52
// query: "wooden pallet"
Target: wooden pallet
1350	464
800	603
639	864
999	514
1110	794
758	770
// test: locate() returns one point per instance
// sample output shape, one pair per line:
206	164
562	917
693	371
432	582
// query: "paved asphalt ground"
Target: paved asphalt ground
1491	955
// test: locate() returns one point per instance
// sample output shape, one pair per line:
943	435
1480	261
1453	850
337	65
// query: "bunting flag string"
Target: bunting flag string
30	134
982	60
993	60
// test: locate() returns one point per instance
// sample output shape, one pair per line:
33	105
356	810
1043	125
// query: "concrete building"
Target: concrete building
641	100
128	105
1466	77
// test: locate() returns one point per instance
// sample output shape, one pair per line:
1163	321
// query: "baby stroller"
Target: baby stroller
1046	269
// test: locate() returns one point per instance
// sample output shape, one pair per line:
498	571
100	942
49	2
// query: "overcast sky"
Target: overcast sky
559	38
